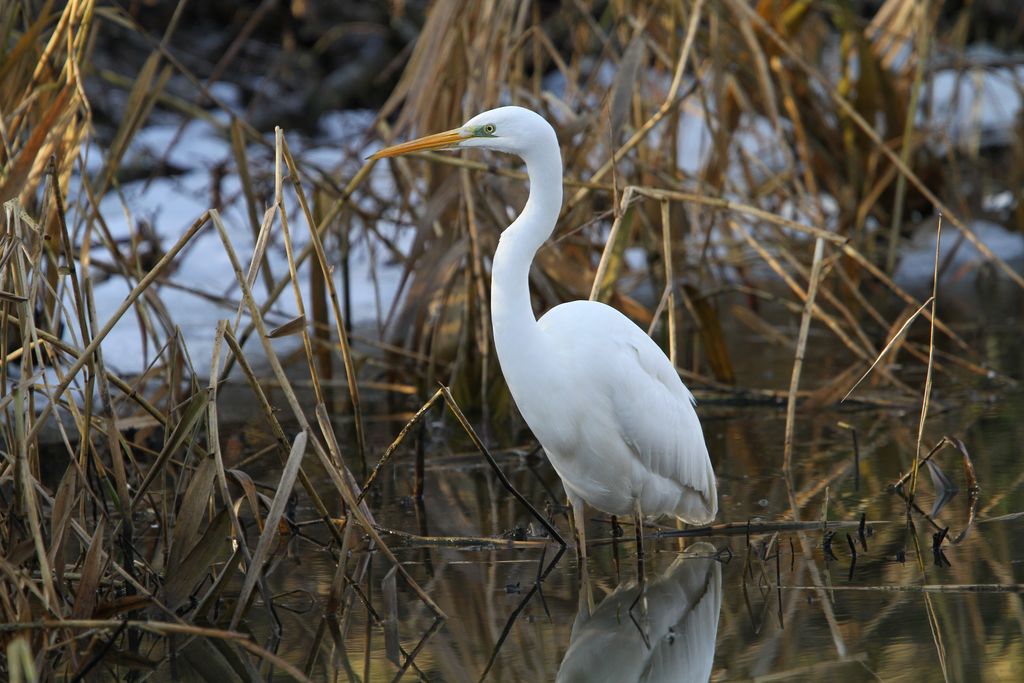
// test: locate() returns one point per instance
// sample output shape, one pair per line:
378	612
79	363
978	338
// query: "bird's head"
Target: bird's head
506	129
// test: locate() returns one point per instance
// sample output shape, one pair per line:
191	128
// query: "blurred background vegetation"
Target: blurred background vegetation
861	119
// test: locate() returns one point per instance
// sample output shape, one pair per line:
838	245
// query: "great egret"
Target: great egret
616	421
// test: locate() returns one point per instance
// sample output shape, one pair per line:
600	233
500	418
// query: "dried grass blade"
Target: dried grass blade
739	207
293	273
339	319
245	180
670	284
881	354
923	34
926	395
226	574
60	517
29	501
625	82
12	298
143	95
214	447
270	530
92	568
259	258
21	665
390	450
610	246
294	326
801	346
194	505
117	465
18	175
193	412
185	576
26	49
709	326
212	666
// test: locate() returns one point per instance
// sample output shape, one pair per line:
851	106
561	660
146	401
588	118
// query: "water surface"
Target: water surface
763	604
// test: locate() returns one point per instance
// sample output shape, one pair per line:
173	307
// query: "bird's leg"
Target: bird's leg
579	524
638	527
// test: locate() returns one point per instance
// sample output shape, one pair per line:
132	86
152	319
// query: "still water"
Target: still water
762	604
758	600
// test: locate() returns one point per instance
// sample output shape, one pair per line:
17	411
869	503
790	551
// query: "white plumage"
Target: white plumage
637	435
612	414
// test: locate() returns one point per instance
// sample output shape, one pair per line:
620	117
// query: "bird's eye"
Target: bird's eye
489	129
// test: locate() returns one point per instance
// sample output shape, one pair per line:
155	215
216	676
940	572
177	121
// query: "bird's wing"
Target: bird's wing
653	409
658	422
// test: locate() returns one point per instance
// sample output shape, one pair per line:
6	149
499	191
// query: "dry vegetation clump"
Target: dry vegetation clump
708	146
779	123
118	509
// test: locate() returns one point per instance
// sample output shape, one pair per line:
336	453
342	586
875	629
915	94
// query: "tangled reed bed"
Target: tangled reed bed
127	538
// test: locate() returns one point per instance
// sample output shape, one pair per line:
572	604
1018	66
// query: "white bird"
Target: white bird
614	418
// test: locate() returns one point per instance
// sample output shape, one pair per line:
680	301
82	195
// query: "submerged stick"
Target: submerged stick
478	542
743	528
510	622
390	450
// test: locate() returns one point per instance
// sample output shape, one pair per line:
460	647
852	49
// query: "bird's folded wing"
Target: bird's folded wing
656	417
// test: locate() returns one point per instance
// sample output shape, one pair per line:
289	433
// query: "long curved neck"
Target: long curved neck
516	333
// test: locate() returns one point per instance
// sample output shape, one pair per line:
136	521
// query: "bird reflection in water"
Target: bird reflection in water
681	625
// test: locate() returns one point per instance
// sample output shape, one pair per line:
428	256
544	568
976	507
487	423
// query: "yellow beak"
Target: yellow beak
444	140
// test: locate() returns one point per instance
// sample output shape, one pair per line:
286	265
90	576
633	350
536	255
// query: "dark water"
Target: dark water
760	603
765	606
